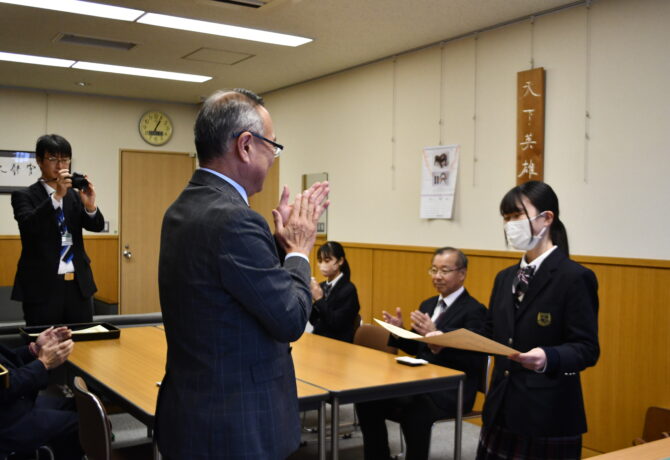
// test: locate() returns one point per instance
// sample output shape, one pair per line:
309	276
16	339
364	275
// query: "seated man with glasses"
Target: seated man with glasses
453	308
54	279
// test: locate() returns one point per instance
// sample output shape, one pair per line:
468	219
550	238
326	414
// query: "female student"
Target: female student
546	306
335	309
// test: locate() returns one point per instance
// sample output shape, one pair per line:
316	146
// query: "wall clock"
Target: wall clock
155	127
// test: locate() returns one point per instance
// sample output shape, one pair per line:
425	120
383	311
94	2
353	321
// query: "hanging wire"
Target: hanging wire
474	117
393	125
442	124
532	42
587	94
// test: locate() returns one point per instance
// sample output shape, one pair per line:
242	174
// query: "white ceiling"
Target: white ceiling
346	33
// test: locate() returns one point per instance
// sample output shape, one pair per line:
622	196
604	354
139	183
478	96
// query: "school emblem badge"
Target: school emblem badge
544	319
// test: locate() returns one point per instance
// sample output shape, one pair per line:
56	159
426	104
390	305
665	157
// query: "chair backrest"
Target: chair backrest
95	434
656	424
486	382
375	337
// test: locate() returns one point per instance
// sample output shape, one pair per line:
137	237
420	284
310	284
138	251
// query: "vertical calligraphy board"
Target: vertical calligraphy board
530	89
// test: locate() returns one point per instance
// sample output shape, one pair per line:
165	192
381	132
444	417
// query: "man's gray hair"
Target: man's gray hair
461	259
222	117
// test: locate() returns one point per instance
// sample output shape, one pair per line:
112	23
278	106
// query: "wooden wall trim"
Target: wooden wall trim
102	249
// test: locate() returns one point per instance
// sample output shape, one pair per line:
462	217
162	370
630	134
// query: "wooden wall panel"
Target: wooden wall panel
102	249
104	253
400	280
10	251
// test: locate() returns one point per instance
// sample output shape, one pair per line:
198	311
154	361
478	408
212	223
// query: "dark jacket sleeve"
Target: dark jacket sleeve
24	380
33	220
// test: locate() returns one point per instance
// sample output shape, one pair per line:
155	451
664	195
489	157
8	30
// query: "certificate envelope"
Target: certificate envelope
460	338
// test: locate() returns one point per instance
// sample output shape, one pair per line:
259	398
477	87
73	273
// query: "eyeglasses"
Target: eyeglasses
276	147
54	160
442	271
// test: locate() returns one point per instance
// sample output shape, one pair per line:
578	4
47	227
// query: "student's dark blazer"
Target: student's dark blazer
559	313
230	309
37	270
335	316
465	312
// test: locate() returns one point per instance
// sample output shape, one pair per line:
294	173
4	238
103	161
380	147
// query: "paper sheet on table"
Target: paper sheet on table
88	330
460	338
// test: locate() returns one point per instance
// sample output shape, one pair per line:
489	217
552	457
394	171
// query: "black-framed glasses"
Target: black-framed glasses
276	147
54	160
442	271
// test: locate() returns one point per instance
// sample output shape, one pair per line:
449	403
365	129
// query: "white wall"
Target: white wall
96	127
613	188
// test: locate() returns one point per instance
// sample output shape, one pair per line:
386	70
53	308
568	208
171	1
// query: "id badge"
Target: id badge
66	239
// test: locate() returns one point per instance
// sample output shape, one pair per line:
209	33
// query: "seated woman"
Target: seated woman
335	300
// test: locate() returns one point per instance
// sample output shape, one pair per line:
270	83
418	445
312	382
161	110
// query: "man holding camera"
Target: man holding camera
54	279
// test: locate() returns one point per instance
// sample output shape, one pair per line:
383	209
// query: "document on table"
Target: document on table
88	330
460	338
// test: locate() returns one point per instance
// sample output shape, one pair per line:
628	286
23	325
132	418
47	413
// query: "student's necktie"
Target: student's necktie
326	290
523	278
66	253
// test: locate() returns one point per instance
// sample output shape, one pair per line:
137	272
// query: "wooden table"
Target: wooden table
126	370
655	450
352	373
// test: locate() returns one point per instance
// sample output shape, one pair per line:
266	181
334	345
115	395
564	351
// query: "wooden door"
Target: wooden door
150	182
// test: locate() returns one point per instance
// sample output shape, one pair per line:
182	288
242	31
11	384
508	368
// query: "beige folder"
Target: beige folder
460	338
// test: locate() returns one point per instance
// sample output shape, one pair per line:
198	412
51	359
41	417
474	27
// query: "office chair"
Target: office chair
656	425
376	337
95	429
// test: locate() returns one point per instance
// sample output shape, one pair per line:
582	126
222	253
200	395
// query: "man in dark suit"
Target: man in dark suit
28	421
452	309
54	279
230	304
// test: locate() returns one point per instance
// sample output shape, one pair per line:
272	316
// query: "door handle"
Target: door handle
126	253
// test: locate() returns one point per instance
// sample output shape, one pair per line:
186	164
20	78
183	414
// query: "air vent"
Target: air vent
92	41
247	3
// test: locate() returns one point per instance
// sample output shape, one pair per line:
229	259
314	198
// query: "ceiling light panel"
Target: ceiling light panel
224	30
40	60
79	7
140	72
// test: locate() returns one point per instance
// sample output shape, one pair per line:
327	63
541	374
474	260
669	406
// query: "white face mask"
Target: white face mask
519	236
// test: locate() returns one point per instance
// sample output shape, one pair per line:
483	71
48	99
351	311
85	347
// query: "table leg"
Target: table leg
322	431
335	429
458	425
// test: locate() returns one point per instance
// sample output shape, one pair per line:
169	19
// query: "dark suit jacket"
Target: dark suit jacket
230	310
27	376
37	270
560	314
335	316
465	312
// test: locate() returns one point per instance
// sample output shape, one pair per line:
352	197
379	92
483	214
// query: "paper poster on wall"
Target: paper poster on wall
438	181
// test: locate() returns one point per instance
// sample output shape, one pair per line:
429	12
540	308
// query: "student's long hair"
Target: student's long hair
335	250
543	197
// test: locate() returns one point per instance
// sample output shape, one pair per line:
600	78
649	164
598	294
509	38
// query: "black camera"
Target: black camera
79	181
